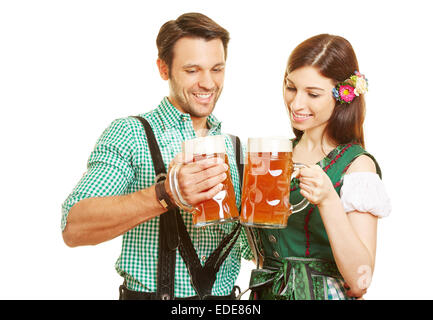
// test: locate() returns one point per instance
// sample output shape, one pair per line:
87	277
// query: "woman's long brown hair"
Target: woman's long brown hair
334	58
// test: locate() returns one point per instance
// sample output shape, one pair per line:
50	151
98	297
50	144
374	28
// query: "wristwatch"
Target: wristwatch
162	196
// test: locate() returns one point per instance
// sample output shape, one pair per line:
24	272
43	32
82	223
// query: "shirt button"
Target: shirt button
276	254
272	239
203	258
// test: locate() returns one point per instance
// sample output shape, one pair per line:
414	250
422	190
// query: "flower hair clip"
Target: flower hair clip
347	90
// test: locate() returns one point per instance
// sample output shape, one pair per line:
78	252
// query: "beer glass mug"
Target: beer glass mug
266	188
222	207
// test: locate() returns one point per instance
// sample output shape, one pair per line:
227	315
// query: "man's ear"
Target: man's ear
163	69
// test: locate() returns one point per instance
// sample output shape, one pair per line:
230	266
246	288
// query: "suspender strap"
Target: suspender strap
155	152
168	219
168	232
236	142
173	235
203	278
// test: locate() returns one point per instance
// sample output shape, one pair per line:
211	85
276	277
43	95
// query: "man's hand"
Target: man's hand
199	181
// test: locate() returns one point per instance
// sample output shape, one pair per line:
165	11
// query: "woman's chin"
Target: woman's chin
298	126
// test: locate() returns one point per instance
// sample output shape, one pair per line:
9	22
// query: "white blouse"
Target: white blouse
365	192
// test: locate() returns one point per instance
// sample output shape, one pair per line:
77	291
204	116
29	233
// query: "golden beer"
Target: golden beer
266	186
222	207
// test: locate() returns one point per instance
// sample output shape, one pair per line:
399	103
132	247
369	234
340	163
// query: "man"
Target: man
117	194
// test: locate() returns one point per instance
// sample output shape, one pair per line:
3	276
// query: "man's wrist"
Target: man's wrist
163	195
173	184
168	190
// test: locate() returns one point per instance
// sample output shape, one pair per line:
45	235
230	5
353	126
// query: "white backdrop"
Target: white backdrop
68	68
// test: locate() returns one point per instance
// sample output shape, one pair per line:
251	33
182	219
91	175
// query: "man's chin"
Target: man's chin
202	111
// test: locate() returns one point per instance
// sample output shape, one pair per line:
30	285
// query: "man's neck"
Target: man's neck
200	126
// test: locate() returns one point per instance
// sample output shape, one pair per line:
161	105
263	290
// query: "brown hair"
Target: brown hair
193	25
334	58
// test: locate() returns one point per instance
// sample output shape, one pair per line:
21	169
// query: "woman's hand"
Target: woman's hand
315	185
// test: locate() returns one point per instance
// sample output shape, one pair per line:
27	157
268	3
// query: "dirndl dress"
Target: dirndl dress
298	263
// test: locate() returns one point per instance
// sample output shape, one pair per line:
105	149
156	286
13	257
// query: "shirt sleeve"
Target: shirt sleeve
365	192
109	168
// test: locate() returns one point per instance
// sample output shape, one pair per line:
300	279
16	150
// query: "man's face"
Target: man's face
196	75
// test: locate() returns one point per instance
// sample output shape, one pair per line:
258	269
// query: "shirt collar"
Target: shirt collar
171	117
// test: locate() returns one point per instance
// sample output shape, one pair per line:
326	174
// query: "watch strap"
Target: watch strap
163	197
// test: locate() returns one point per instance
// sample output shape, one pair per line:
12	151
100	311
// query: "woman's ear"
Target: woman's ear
163	69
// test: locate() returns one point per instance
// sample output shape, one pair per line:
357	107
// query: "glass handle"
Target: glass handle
304	202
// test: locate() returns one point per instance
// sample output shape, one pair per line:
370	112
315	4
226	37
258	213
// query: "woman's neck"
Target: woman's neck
316	142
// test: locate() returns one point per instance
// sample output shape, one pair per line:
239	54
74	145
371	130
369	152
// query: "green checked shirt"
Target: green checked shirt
121	164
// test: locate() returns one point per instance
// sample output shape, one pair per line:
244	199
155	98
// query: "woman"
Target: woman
327	250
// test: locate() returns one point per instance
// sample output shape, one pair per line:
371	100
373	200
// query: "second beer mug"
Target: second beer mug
221	208
266	188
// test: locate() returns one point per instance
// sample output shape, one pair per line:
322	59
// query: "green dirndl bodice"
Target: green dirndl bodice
298	260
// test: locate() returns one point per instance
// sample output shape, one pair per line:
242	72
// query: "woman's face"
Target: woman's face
308	97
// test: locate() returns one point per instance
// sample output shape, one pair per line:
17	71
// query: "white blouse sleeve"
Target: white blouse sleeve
365	192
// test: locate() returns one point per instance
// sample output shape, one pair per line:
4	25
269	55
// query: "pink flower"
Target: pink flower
360	75
347	93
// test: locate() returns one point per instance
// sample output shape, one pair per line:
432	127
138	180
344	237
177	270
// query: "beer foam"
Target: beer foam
204	145
269	144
